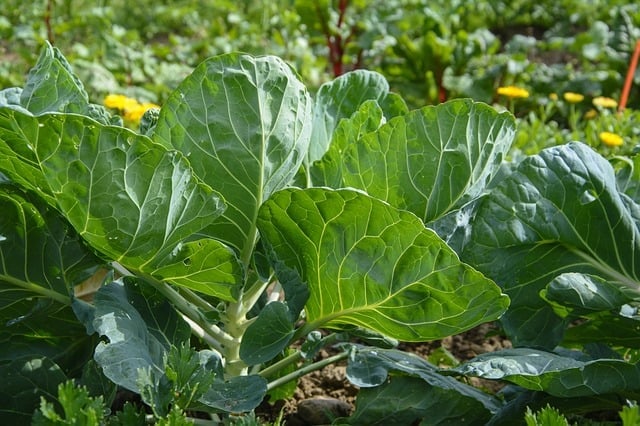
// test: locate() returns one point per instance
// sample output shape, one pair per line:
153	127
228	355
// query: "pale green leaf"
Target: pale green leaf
52	86
371	265
328	171
244	124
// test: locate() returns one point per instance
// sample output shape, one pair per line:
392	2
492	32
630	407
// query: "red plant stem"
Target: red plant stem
342	8
629	79
47	21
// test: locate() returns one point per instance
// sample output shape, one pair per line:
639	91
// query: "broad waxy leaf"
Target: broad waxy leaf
584	294
52	86
559	211
628	176
428	161
131	199
555	374
238	394
369	368
407	400
244	125
140	330
371	265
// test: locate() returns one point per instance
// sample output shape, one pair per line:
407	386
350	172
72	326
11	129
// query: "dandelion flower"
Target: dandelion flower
610	139
135	112
513	92
573	98
553	96
604	102
118	101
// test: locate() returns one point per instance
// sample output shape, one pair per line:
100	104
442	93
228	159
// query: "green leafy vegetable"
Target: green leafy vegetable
369	264
559	211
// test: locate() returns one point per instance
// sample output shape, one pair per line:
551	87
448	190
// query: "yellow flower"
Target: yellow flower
135	112
513	92
610	139
118	101
553	96
604	102
573	98
149	105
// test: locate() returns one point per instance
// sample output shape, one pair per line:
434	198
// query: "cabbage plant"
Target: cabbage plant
248	224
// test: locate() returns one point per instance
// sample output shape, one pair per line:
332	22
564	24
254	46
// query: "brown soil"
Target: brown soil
331	386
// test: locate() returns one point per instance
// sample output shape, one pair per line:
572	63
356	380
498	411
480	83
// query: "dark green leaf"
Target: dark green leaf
24	381
407	400
268	335
370	367
559	211
584	294
239	394
41	260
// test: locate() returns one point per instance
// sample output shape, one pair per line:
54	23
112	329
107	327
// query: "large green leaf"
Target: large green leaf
369	264
52	86
328	171
140	329
559	211
400	388
41	260
338	99
131	199
428	161
244	124
555	374
628	175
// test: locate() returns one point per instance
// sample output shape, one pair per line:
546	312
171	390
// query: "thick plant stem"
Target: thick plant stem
235	320
306	370
192	313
